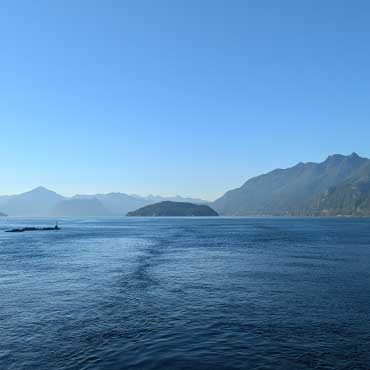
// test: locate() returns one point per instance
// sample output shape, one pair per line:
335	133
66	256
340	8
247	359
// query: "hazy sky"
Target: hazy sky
177	97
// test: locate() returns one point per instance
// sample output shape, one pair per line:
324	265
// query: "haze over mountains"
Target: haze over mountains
338	186
42	202
37	202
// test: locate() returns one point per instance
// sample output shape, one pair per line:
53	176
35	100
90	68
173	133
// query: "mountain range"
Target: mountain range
338	186
42	202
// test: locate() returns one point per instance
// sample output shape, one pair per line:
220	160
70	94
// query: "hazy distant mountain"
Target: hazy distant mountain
79	208
178	198
120	204
37	202
117	203
168	208
339	185
4	199
44	202
3	214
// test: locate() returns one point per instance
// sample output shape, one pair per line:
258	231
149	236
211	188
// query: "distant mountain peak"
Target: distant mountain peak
41	189
36	202
341	157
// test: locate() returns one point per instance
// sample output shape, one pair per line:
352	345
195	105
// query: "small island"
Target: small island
174	209
3	214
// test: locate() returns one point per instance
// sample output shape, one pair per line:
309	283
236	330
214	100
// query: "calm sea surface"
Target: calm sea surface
168	294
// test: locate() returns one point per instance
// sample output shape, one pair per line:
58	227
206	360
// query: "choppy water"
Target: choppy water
227	293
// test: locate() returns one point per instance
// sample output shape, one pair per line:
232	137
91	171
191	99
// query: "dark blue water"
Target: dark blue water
112	294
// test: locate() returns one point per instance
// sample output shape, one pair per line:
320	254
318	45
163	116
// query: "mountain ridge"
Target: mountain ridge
340	185
41	201
296	191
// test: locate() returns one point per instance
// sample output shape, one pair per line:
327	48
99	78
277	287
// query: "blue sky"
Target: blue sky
177	97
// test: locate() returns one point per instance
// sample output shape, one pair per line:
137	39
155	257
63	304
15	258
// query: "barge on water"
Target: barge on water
24	229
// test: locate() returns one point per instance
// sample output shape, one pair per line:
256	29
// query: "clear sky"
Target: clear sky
177	97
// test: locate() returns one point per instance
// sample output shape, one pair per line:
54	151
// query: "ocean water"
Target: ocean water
194	293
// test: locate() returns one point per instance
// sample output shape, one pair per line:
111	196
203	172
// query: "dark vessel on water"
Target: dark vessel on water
23	229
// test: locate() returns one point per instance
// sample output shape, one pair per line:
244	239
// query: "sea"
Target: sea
185	293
